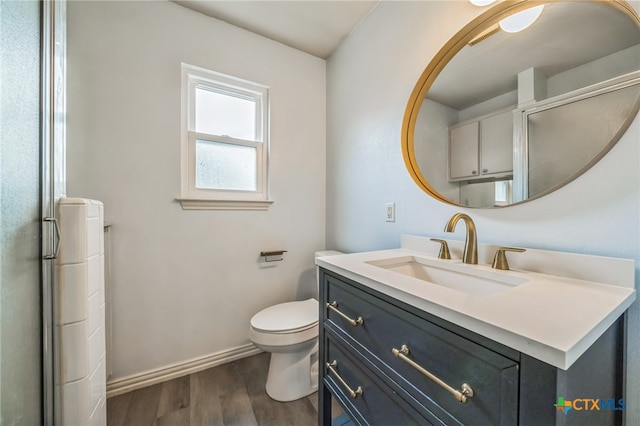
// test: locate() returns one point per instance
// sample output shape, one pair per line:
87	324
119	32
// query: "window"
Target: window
224	141
503	192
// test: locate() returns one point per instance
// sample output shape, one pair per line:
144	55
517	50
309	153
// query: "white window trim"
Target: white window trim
193	198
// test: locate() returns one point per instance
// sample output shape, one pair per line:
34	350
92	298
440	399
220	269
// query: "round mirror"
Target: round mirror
500	118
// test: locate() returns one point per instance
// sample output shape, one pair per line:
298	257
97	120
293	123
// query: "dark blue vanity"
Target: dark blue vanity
389	363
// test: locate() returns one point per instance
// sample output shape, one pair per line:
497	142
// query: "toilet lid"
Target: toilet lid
287	316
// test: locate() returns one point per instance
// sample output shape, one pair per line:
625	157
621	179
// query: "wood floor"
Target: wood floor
227	395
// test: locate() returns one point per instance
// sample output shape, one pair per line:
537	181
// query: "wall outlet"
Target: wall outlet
391	212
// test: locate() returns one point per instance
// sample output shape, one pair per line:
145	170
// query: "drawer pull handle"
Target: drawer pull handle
352	393
460	395
354	322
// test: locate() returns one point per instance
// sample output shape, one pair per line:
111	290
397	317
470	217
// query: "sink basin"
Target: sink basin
456	276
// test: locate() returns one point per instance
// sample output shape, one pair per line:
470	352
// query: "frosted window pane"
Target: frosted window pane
225	114
225	166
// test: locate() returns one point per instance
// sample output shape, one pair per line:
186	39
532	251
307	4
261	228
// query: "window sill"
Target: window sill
202	204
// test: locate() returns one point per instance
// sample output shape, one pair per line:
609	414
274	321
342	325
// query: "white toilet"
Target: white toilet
290	332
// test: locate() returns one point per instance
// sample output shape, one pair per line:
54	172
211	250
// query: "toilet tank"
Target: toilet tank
318	254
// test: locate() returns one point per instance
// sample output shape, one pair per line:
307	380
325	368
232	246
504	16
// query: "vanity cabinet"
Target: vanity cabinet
482	148
389	363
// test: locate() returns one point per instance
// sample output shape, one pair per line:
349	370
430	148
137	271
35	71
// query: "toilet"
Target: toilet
289	331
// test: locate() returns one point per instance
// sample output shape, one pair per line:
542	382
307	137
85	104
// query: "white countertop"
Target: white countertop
551	318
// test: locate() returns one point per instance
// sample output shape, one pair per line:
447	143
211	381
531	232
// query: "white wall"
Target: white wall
367	93
186	283
602	69
432	124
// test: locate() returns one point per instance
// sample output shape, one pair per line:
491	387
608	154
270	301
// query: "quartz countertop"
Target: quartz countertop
552	318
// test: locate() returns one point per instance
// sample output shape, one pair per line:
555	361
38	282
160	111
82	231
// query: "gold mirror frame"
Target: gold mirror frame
473	29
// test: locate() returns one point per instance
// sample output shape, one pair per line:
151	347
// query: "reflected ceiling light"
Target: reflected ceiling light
481	2
521	20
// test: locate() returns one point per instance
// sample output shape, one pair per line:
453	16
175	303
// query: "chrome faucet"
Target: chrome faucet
471	242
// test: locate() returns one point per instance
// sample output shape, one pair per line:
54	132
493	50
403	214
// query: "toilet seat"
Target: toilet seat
287	318
286	324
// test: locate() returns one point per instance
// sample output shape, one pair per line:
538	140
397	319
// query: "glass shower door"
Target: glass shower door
21	394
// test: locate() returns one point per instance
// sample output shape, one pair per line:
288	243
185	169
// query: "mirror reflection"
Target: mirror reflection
514	116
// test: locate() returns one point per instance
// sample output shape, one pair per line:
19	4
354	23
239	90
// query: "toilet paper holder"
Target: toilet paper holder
272	254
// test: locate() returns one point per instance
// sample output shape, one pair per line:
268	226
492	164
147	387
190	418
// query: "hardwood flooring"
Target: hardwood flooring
232	394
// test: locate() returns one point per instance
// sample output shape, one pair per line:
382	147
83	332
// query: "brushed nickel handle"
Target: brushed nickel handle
352	393
460	395
56	228
354	322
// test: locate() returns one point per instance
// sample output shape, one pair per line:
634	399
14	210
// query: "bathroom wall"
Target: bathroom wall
367	93
186	283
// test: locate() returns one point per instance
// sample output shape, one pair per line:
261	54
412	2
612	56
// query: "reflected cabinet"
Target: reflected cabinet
482	148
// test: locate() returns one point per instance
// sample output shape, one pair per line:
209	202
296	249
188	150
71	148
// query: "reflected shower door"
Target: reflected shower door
567	139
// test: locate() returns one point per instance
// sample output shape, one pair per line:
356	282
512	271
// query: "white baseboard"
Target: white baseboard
139	381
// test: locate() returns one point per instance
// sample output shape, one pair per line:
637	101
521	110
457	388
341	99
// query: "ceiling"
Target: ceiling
315	27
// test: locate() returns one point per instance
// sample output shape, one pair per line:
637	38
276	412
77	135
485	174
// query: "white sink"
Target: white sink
456	276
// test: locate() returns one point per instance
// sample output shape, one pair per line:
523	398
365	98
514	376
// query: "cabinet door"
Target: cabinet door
463	151
496	144
373	402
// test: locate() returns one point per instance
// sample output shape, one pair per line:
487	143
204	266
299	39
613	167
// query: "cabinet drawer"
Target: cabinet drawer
451	358
375	403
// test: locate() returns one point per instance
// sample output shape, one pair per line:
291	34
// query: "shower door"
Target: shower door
26	212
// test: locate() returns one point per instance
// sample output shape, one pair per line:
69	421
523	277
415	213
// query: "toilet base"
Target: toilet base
292	375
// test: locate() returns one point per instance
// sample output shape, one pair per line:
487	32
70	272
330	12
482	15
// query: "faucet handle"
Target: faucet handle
444	249
500	260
